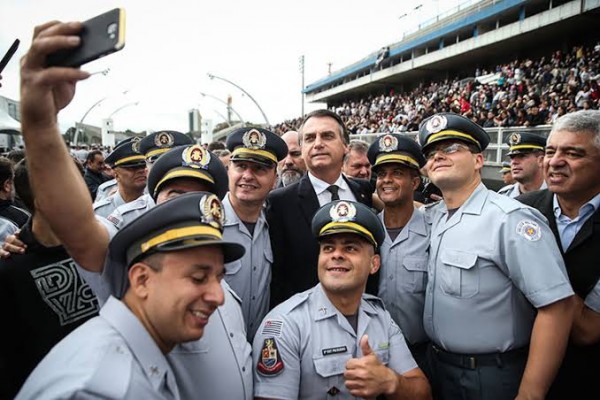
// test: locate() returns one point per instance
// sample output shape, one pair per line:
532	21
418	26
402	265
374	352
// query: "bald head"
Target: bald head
292	167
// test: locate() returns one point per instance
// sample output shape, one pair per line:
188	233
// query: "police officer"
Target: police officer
175	257
84	236
497	284
154	145
506	174
129	167
526	154
252	174
396	162
334	341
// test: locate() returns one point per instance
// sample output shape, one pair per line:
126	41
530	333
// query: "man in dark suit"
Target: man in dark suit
572	206
324	142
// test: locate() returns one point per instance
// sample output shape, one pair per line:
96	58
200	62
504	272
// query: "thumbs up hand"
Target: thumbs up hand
365	376
365	347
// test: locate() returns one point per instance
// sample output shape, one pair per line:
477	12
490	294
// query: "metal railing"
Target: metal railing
495	152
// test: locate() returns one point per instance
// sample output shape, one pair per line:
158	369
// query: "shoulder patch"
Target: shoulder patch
269	363
530	230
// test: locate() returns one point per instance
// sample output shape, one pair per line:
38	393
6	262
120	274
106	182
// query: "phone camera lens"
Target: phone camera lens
112	30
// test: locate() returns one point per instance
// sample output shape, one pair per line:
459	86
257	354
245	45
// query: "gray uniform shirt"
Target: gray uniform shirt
592	300
219	363
513	190
111	356
403	276
302	346
108	204
104	189
250	276
127	212
491	265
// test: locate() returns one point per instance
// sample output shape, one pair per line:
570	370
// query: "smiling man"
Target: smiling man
252	173
571	204
396	161
334	340
174	255
498	304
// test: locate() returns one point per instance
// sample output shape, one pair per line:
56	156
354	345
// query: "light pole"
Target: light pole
301	61
80	124
212	76
226	104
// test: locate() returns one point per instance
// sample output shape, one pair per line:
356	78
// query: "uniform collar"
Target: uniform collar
323	308
415	224
475	202
231	218
141	344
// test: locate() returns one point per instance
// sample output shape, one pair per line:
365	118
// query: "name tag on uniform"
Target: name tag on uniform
334	350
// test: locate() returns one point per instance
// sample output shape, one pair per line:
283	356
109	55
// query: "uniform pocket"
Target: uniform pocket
413	277
457	274
233	268
327	366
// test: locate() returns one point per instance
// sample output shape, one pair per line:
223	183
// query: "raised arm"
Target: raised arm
60	191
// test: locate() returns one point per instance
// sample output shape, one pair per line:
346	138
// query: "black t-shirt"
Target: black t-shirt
42	299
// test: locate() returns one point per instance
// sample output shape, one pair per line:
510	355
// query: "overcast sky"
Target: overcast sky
172	45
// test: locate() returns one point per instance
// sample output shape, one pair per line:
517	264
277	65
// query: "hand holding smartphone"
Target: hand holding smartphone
100	36
11	52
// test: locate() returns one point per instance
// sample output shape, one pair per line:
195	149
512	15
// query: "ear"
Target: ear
7	185
479	161
416	181
375	264
140	279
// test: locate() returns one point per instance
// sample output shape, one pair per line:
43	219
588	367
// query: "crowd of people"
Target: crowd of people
300	264
525	92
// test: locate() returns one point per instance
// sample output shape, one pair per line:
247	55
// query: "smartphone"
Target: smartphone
11	52
100	36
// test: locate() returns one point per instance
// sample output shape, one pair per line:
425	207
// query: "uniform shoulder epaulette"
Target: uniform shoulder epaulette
107	184
373	300
138	204
505	203
103	202
294	302
114	367
506	189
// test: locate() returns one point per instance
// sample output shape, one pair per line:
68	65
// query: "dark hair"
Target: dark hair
22	185
325	113
16	155
216	145
92	155
6	169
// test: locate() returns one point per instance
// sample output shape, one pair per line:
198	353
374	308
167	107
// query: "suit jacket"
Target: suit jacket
578	373
295	250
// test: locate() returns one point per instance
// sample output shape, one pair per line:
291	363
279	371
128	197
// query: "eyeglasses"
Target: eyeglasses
446	150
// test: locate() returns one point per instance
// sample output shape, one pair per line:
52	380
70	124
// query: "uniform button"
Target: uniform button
254	268
253	297
391	277
243	369
231	334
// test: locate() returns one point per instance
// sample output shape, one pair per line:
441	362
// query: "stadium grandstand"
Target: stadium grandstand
507	64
